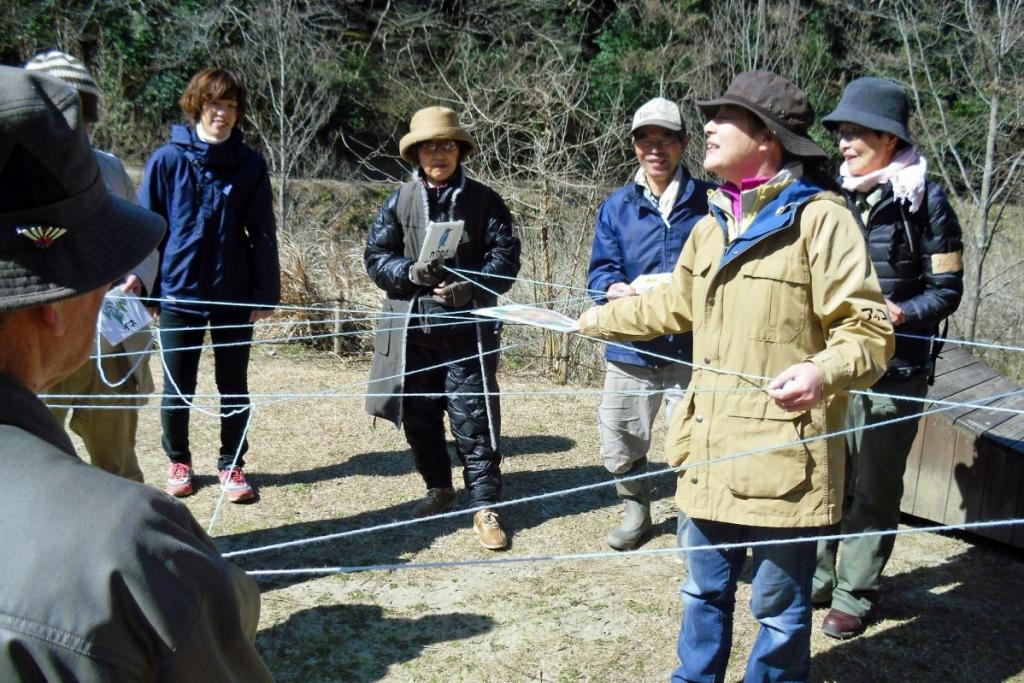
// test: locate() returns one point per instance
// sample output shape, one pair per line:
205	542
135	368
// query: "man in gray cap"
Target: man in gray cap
108	433
103	578
641	228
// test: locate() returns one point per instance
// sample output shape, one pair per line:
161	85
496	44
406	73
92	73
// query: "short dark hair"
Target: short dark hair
209	85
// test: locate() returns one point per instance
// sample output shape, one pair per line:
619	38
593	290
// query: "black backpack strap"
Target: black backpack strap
938	341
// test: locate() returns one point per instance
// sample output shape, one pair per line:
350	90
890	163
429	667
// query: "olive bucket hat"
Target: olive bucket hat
778	103
433	123
875	103
61	233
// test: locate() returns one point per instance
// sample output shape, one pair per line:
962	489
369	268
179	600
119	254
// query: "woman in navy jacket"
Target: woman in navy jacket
218	268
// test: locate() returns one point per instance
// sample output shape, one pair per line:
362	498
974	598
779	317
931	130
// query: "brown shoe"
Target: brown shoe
839	624
488	529
436	500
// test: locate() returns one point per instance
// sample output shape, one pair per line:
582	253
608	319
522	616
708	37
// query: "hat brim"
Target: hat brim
868	120
796	144
95	251
660	123
407	145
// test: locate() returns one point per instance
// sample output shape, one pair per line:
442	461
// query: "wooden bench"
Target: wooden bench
967	464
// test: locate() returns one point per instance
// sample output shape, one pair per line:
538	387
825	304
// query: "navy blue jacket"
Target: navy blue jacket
221	240
631	239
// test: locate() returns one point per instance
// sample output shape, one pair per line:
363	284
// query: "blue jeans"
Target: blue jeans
780	600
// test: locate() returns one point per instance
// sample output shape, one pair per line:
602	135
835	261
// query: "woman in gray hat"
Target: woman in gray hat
425	359
914	240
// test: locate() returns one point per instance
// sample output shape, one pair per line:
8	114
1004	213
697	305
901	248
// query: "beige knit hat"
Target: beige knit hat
433	123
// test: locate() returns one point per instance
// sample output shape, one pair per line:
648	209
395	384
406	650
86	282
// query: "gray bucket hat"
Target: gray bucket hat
875	103
778	103
61	233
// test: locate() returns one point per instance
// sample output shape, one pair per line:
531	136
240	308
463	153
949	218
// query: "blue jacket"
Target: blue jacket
221	240
631	239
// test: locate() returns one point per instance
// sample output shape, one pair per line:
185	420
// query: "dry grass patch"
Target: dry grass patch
322	467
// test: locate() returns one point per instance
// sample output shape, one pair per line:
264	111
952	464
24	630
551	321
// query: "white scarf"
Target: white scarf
668	198
907	172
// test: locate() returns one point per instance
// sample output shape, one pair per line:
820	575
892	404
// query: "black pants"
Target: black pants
231	367
423	418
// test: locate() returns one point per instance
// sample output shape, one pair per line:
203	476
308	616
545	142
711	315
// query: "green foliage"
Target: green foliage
627	64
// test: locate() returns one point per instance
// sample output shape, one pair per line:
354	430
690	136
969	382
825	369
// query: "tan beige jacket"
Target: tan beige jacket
795	285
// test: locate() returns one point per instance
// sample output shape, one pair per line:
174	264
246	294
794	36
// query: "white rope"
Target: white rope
585	487
644	552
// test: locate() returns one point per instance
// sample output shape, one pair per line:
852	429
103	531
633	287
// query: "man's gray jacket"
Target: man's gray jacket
104	579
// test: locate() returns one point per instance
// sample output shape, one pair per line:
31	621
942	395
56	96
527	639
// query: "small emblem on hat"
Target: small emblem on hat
43	236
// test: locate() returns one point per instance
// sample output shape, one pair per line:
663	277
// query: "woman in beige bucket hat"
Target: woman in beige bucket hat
427	358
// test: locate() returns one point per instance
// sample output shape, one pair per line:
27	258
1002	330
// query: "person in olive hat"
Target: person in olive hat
914	240
104	579
786	312
425	359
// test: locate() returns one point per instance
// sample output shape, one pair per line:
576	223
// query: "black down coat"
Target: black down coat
489	245
917	257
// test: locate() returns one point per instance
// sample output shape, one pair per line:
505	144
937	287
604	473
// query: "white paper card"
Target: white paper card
650	282
530	315
441	241
122	315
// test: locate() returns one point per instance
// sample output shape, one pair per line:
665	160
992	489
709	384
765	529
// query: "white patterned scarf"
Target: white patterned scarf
667	200
907	172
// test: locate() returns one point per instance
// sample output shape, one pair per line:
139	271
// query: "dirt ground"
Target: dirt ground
951	610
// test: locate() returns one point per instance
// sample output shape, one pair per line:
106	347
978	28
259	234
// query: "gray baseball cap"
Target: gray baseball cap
657	112
61	233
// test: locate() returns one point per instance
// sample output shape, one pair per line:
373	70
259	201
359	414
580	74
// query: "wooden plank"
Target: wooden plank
913	470
1017	531
1008	436
952	359
1003	472
961	379
966	481
980	420
927	496
936	466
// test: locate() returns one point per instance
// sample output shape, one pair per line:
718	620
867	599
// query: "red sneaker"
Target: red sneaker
234	485
179	480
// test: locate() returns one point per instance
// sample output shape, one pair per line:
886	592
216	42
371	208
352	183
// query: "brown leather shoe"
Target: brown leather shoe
839	624
436	501
488	530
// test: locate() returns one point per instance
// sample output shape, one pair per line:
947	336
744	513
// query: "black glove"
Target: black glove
427	274
454	295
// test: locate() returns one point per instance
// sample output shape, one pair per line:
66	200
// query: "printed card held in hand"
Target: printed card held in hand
441	241
122	315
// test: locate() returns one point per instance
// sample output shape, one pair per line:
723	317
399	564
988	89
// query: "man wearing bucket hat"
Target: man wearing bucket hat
430	357
103	578
108	433
641	228
913	236
786	315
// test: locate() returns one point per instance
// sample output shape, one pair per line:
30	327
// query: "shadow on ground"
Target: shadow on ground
388	546
356	642
398	463
961	622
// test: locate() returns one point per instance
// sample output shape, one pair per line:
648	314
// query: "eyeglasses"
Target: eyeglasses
442	145
659	141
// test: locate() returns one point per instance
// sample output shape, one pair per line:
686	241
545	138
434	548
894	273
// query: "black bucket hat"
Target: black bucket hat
875	103
778	103
61	233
